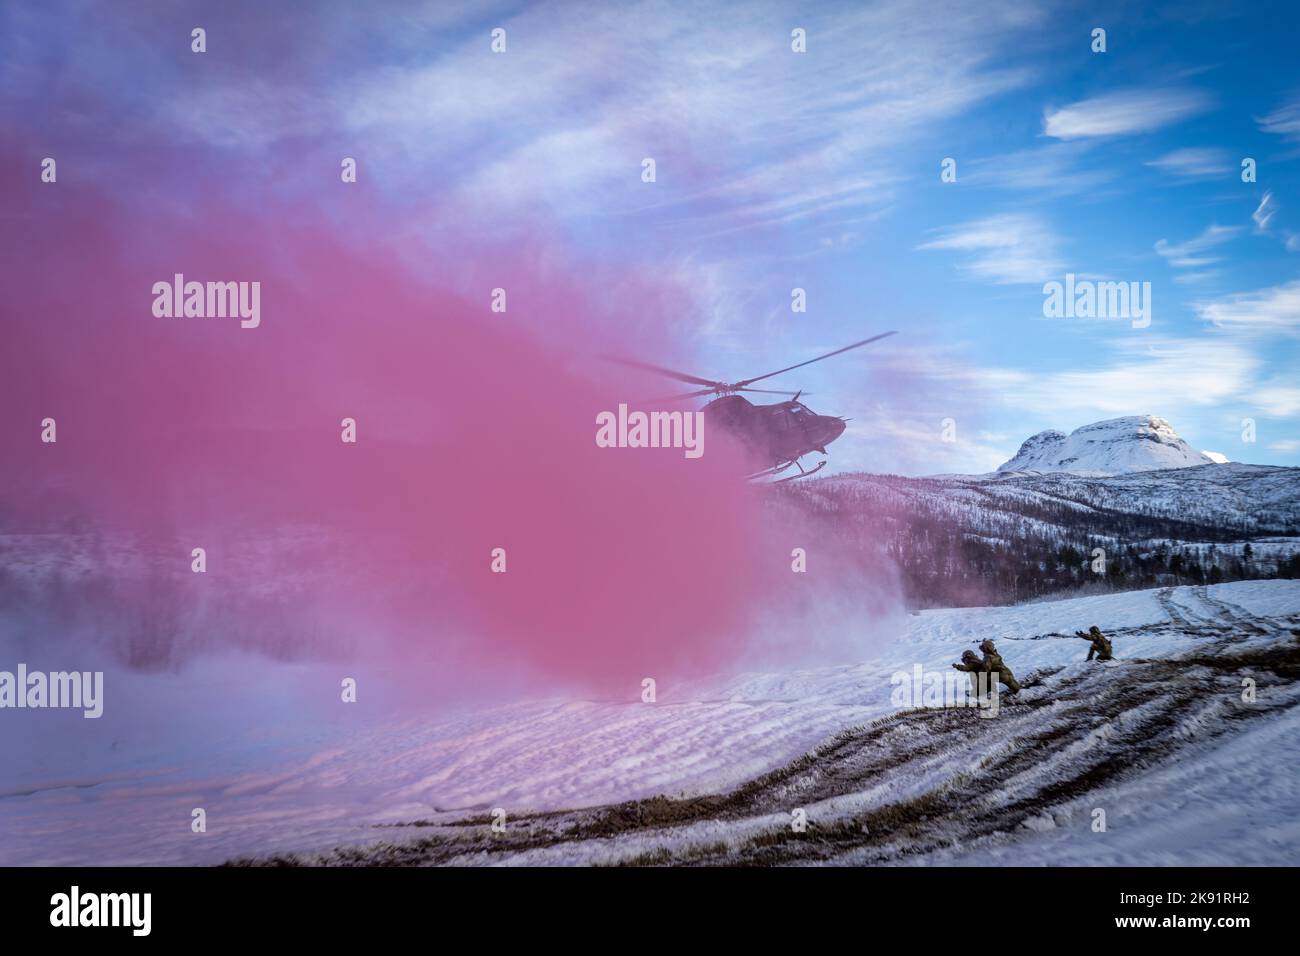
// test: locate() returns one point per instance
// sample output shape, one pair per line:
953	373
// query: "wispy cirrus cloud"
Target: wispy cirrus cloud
1194	253
1134	375
1123	113
1277	398
1007	249
1283	121
1167	374
1264	212
1194	162
749	136
1272	310
918	438
1056	169
1263	217
1146	375
746	133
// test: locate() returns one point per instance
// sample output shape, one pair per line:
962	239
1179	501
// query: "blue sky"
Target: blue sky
776	170
1123	165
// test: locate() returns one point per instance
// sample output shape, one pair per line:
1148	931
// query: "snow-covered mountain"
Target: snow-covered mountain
962	539
1113	447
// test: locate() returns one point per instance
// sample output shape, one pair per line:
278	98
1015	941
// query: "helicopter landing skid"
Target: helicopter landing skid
777	469
768	472
802	474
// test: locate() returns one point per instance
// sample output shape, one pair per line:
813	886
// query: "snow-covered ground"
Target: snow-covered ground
290	777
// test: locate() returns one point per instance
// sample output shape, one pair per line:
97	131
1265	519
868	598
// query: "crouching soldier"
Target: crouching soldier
1100	646
993	664
971	663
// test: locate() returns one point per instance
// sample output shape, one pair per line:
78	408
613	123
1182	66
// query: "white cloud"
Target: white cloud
1150	376
1284	121
1263	217
745	132
1118	114
916	444
1264	212
1055	169
1194	162
1275	309
1277	398
1191	254
1007	249
1196	278
1141	375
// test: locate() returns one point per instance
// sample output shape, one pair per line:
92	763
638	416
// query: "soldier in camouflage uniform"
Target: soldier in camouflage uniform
971	663
994	664
1100	646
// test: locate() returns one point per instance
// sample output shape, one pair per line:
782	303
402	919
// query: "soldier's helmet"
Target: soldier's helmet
1095	631
968	656
987	646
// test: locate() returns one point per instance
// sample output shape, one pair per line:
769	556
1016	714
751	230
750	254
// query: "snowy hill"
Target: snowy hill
1187	772
963	539
1117	446
1236	500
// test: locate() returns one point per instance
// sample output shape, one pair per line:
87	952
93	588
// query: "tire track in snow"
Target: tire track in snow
912	783
1234	613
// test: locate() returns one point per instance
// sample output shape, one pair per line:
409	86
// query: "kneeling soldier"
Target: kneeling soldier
994	664
971	663
1100	646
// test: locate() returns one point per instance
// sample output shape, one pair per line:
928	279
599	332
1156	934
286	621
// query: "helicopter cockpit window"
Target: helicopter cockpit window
791	416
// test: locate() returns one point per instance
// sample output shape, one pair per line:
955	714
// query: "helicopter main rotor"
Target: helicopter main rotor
731	388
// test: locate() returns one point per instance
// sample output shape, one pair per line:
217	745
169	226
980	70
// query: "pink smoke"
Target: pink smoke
476	431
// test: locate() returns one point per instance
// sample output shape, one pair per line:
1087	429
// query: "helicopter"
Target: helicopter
776	435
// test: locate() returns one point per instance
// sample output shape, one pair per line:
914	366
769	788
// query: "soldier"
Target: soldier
993	664
1100	646
970	662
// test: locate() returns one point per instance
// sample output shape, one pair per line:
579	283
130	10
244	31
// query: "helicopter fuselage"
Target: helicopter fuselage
774	434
